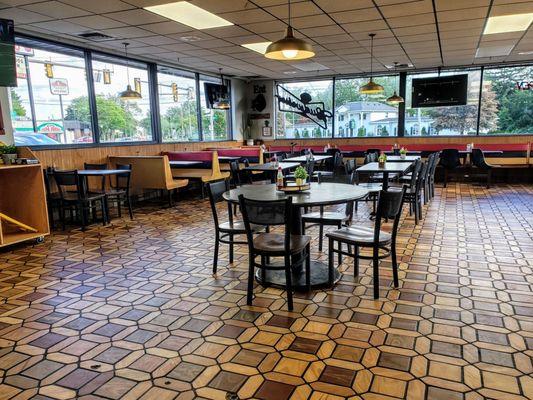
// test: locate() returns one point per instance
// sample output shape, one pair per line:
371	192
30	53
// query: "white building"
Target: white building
358	118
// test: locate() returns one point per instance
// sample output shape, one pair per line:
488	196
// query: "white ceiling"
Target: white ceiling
423	33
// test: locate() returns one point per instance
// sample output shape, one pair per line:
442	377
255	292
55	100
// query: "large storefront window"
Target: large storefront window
450	120
55	80
119	120
177	105
360	115
214	122
507	100
293	97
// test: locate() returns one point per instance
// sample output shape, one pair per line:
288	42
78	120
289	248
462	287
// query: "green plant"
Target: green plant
300	173
382	158
403	150
8	149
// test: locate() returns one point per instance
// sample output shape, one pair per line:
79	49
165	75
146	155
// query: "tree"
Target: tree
16	103
516	113
113	115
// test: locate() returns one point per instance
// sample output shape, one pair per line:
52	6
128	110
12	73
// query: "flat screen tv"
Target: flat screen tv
8	74
440	92
214	93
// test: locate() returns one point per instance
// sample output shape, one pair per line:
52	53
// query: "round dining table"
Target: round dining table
320	194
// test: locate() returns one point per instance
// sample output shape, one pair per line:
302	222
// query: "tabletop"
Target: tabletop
272	166
102	172
183	163
465	152
301	159
396	167
400	159
319	194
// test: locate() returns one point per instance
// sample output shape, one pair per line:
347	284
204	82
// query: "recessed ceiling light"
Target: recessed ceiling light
189	14
493	51
508	23
190	38
259	47
525	53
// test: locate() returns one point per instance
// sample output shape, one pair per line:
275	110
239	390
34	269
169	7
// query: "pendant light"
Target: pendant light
222	102
371	87
395	99
128	94
289	48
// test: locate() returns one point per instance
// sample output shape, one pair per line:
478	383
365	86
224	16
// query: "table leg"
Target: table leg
385	180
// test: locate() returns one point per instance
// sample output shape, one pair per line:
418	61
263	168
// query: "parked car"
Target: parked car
33	139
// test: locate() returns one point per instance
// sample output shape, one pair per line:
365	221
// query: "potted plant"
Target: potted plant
382	159
9	154
403	153
300	175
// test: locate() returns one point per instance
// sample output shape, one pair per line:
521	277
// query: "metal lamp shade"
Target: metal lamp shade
129	94
222	104
302	49
395	99
371	88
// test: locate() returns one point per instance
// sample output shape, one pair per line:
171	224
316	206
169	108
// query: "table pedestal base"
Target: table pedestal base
319	277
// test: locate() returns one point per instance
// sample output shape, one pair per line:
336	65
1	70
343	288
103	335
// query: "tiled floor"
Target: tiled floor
132	311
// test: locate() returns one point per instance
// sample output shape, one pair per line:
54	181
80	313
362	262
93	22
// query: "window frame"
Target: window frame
152	69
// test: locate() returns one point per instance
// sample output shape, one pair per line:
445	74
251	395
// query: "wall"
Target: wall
74	158
239	104
5	117
260	107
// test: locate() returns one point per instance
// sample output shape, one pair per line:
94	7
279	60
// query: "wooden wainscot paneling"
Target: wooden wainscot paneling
74	158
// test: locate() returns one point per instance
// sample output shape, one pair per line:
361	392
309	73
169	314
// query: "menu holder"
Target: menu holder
292	187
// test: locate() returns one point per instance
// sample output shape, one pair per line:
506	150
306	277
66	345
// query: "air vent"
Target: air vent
96	36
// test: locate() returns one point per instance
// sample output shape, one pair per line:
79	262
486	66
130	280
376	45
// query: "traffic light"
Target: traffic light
49	70
174	87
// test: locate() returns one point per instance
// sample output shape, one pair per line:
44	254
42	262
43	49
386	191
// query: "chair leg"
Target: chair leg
320	236
288	282
231	249
445	177
330	262
308	267
394	264
489	178
356	261
339	255
83	216
104	211
415	205
264	261
128	203
215	254
170	202
119	207
250	291
375	261
62	215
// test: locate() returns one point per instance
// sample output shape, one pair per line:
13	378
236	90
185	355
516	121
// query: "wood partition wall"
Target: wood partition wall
74	158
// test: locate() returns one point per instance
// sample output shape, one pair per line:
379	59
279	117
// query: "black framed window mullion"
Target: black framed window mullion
92	95
480	99
198	108
333	110
157	134
401	106
229	113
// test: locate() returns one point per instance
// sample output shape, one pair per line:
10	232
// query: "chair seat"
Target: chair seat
325	216
115	192
274	243
360	235
237	226
73	197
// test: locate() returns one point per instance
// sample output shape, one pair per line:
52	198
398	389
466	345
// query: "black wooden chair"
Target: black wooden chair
335	167
389	207
480	166
120	191
75	197
413	193
225	231
431	175
450	161
100	180
267	245
53	198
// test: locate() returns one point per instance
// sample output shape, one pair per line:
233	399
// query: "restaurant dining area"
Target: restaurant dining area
266	199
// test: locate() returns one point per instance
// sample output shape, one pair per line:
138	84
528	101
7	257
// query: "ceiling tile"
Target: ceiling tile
166	28
136	17
96	22
365	14
55	9
343	5
127	32
101	6
21	16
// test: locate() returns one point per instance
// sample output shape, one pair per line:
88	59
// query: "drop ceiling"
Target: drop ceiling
422	33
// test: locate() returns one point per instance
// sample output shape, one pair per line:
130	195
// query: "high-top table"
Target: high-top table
320	194
389	168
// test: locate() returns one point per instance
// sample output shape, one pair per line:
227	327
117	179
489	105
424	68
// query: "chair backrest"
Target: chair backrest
310	167
371	157
266	213
372	151
449	158
235	172
281	156
478	158
349	166
66	180
433	167
123	179
337	160
429	163
421	177
215	190
390	204
99	167
415	173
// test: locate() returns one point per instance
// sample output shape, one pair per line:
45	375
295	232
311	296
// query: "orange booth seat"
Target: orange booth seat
207	170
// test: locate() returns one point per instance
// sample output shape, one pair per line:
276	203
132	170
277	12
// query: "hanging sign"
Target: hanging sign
24	51
59	86
314	111
20	67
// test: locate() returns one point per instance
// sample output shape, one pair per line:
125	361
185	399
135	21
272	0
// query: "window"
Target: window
54	78
507	101
177	105
119	120
365	115
215	124
291	125
442	121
